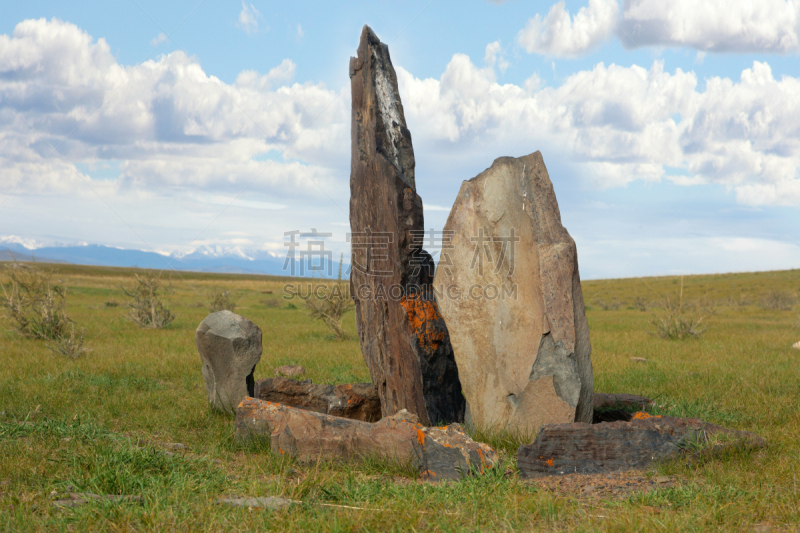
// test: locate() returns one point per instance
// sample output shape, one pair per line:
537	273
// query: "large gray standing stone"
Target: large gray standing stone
230	348
403	337
510	293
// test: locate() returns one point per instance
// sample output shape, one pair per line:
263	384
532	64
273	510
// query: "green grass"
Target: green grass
98	423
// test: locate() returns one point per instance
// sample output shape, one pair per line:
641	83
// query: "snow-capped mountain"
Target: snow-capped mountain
202	259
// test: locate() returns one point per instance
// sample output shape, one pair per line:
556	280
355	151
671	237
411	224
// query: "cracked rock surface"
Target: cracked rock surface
230	348
403	337
358	401
438	453
579	448
512	300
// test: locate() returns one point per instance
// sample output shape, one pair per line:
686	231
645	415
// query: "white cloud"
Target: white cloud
158	39
559	35
181	137
713	25
248	18
277	76
682	255
699	57
172	125
622	124
494	57
300	32
767	26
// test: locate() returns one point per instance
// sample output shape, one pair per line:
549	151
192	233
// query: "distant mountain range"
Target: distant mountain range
232	261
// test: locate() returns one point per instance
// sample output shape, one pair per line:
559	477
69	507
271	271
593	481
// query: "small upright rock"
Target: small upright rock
230	349
512	301
403	337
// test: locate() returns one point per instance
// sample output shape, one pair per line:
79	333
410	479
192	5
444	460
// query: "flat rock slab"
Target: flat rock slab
358	401
440	453
76	499
266	502
615	446
289	371
509	289
604	400
230	348
403	336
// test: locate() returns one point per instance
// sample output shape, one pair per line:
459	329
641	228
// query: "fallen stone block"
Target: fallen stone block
230	348
358	401
615	446
439	453
289	371
267	502
76	499
620	401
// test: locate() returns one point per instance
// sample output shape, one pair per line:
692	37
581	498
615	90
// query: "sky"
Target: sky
670	130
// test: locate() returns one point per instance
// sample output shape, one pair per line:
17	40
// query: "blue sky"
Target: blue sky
671	130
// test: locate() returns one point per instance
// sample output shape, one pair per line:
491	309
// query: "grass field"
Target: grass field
99	423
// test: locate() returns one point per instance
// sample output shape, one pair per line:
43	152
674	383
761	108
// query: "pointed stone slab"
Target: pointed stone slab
403	337
510	292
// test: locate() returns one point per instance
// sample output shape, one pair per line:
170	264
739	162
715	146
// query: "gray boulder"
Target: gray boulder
230	349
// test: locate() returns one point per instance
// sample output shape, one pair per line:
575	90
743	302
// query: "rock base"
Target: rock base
604	400
616	446
359	401
439	453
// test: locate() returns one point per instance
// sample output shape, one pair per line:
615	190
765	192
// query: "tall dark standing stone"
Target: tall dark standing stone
403	336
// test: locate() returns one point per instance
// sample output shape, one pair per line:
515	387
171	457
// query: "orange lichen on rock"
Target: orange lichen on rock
420	437
549	462
641	415
423	315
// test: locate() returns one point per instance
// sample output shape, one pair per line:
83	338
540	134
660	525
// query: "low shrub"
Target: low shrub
779	301
607	306
333	306
220	300
640	304
69	346
34	303
146	308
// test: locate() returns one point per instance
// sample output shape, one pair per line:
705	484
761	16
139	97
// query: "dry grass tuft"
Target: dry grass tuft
677	323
